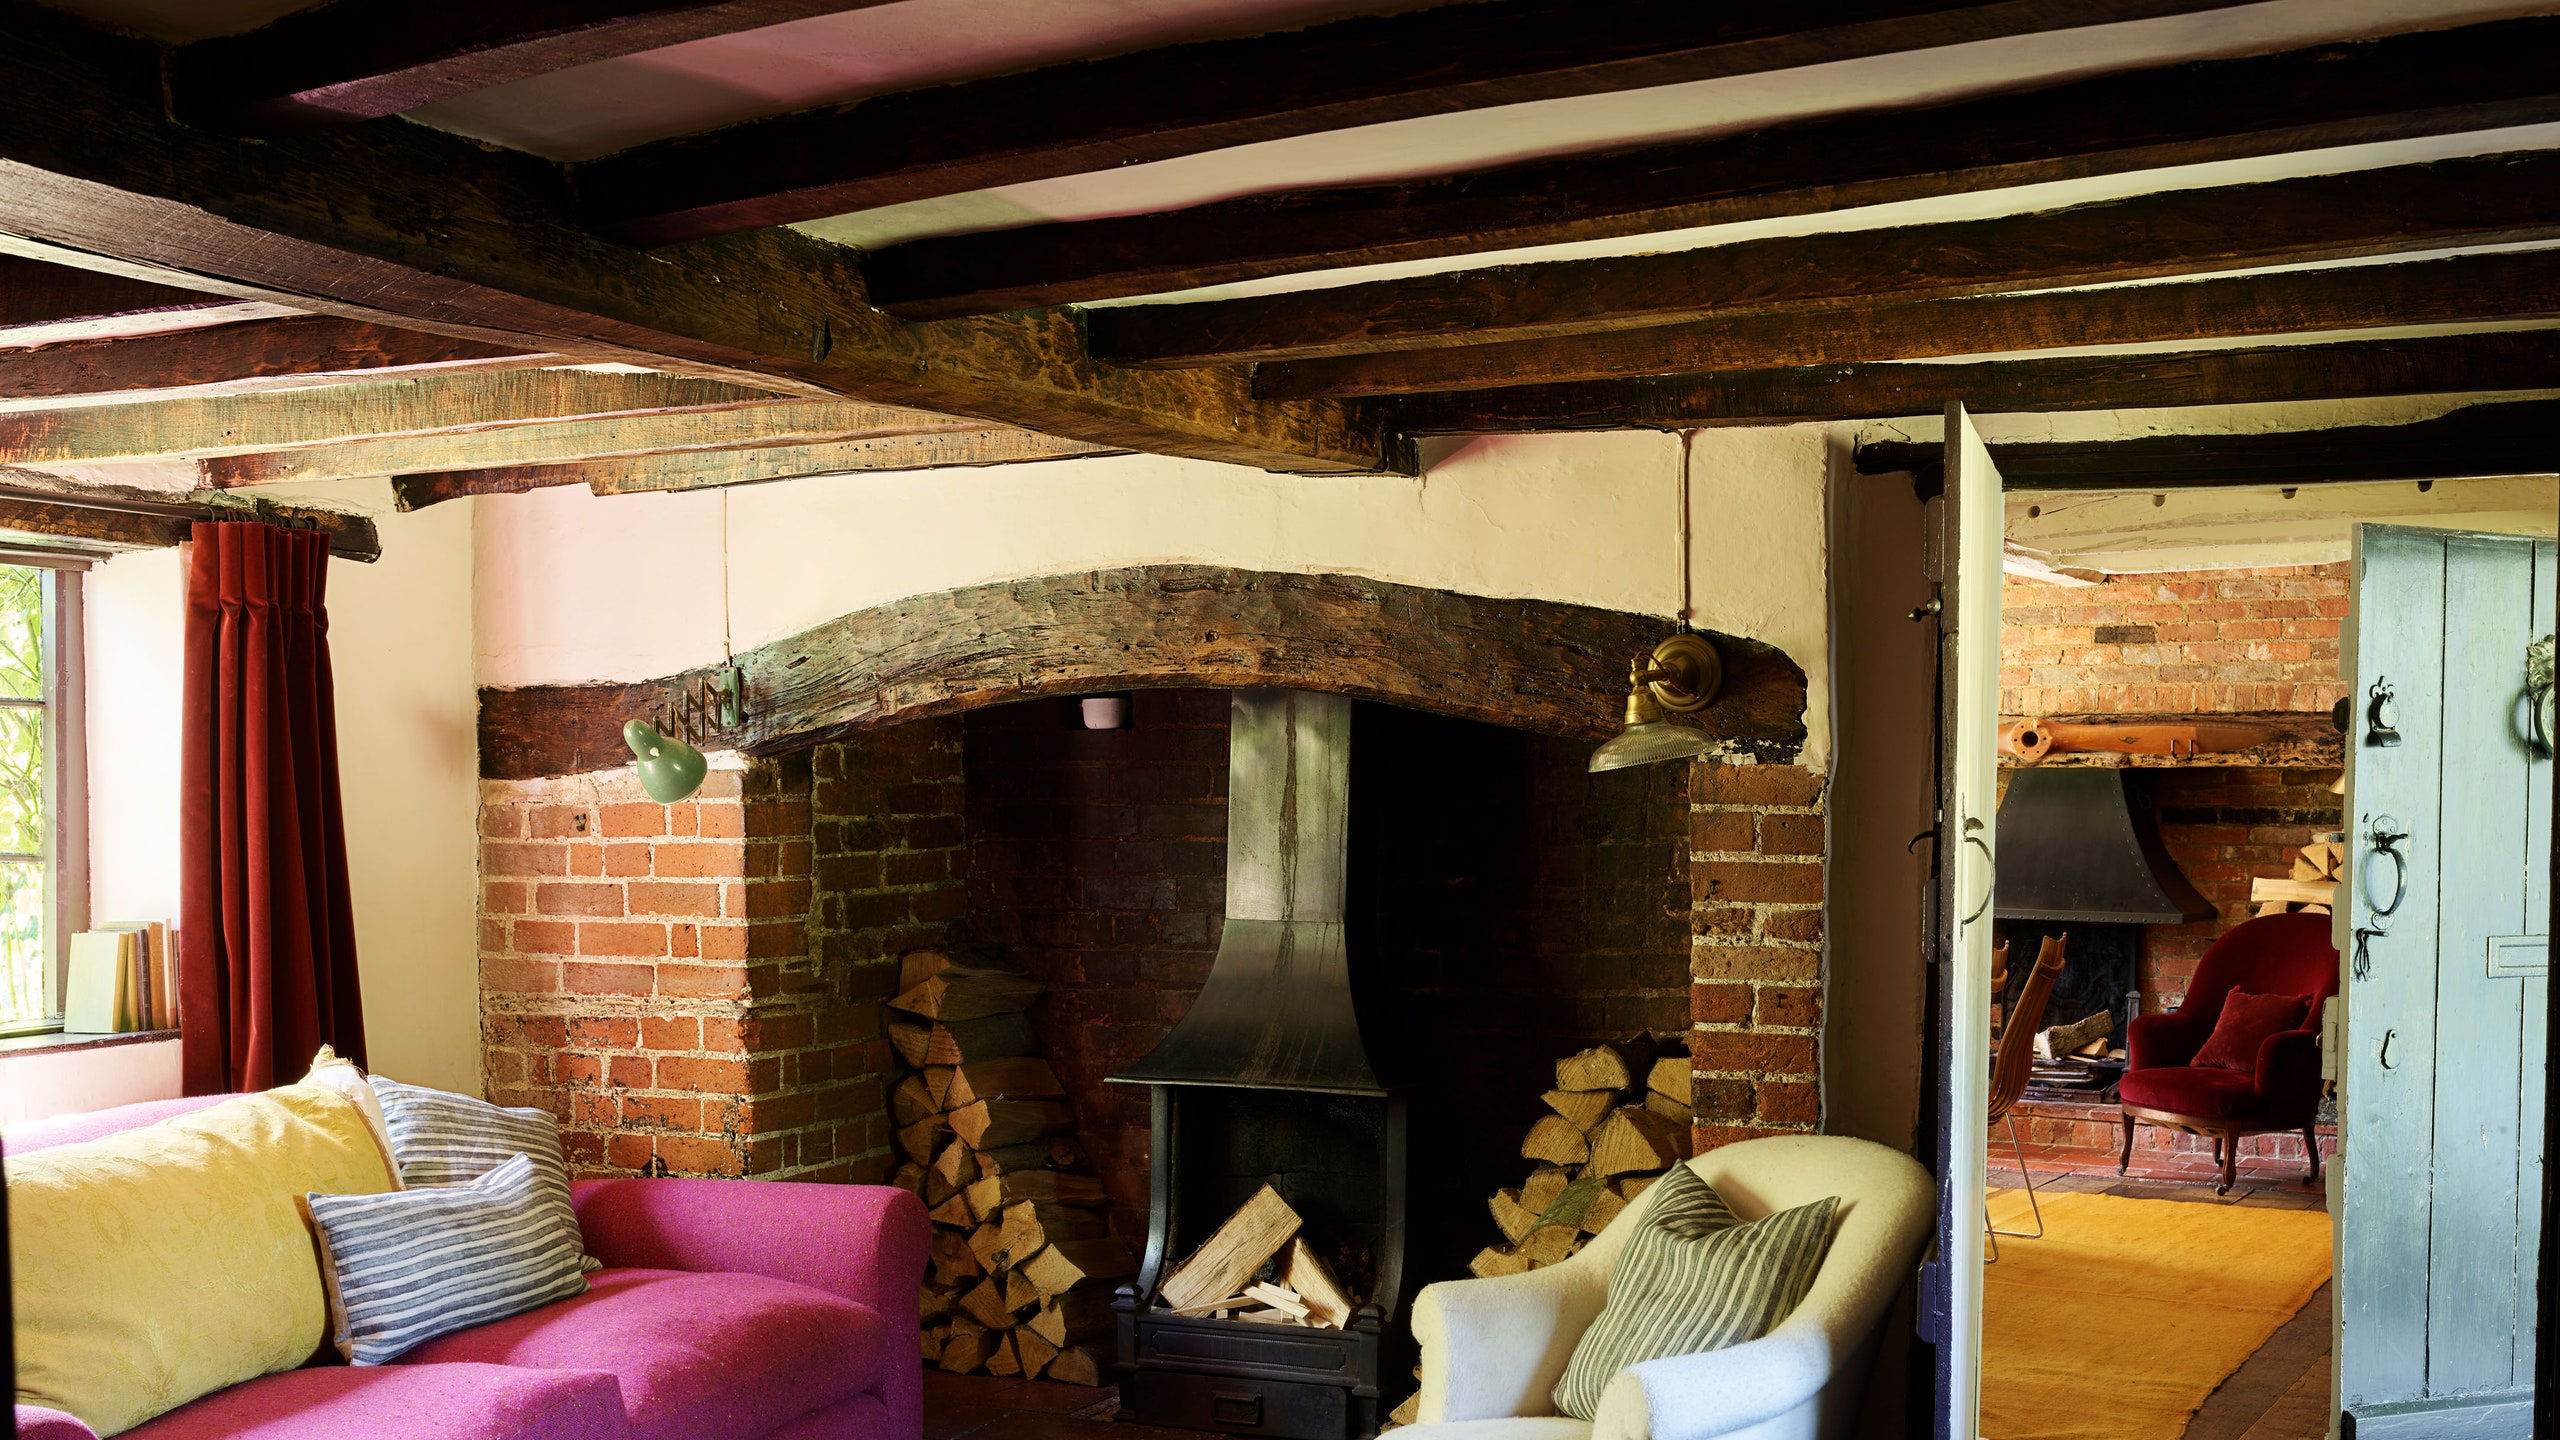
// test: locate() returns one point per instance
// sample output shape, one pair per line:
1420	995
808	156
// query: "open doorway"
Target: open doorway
2180	834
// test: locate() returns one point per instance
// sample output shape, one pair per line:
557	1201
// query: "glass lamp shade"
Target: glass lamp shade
1646	743
669	768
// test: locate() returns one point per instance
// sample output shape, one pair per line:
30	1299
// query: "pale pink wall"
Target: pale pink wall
37	1084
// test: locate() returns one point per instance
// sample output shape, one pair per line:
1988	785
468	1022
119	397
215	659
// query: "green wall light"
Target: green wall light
669	769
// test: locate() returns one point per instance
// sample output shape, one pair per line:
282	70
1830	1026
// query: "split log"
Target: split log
1675	1111
991	1193
1220	1267
1408	1412
1609	1066
1671	1077
910	1178
2079	1034
1073	1264
952	1043
911	1102
964	1350
957	1165
1280	1298
1005	1362
955	1212
937	1085
1036	1353
1550	1243
968	992
992	1124
985	1304
935	1300
1543	1186
1074	1317
1304	1272
926	961
1031	1226
1019	1077
1512	1217
1632	1186
930	1343
1019	1293
1079	1365
1495	1260
987	1243
921	1140
1585	1108
1604	1207
1634	1138
1049	1152
1556	1140
953	1259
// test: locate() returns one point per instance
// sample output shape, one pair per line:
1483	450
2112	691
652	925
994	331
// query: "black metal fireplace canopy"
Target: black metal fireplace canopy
2079	844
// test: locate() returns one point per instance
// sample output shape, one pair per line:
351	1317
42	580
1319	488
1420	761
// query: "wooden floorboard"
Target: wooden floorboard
2293	1362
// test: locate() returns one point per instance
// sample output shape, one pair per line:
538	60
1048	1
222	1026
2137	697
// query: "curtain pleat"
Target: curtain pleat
267	938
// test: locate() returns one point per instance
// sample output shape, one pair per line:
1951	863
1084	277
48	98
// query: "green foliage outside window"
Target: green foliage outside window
25	993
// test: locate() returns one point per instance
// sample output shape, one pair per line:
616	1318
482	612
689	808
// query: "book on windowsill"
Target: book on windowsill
155	972
97	996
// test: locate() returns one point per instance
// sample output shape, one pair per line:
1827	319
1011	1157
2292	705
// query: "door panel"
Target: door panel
1969	659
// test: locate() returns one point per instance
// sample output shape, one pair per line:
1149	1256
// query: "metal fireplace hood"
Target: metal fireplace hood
2077	844
1276	1012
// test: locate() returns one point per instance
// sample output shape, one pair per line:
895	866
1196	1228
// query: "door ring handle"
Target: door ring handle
2387	835
1991	863
2385	1056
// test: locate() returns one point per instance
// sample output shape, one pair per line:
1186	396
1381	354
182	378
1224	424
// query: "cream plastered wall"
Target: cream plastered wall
573	588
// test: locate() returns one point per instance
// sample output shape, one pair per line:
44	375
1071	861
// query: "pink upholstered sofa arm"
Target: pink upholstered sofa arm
37	1423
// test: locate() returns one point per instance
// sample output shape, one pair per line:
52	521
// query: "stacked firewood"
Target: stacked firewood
1023	1267
2312	885
1618	1117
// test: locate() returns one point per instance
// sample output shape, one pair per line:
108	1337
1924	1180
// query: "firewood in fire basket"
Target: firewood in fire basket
1305	1273
1253	1234
1556	1140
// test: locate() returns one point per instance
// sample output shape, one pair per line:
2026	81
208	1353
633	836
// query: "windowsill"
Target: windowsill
57	1042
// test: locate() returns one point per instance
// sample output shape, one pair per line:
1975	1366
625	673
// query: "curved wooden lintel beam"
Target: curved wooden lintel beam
1532	664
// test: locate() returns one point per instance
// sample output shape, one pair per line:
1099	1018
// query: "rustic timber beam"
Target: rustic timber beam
2396	210
1530	664
43	304
243	358
2345	370
2474	289
35	503
706	470
2515	437
363	59
405	225
691	432
2439	82
1186	99
195	426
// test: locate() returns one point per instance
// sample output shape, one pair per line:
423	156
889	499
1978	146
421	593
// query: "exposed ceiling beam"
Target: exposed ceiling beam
643	474
43	304
33	502
2348	370
404	224
362	59
2403	208
1186	99
2473	289
299	351
560	441
426	405
2519	437
2433	83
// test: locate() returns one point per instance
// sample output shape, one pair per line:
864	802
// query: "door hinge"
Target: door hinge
1931	1318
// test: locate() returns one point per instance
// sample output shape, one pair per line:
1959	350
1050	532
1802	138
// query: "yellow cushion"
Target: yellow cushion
168	1262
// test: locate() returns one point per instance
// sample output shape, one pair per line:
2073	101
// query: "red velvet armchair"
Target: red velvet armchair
2164	1085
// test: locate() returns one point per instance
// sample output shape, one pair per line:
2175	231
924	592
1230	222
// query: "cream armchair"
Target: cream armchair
1492	1349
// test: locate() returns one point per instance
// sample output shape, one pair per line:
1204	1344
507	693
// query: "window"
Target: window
43	841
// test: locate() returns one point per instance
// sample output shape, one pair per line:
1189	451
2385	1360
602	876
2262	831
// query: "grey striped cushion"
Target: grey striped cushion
441	1138
408	1266
1693	1278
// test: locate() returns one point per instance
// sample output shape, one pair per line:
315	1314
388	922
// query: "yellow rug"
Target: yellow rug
2120	1322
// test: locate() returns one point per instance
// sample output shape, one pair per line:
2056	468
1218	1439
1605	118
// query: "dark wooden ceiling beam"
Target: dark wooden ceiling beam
35	503
240	358
41	303
2346	370
2517	437
1187	99
2432	83
362	59
2491	200
403	224
2472	290
697	470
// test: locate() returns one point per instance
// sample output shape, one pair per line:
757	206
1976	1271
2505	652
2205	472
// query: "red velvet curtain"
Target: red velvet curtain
267	939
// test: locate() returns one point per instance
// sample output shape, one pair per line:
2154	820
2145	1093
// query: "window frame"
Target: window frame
66	776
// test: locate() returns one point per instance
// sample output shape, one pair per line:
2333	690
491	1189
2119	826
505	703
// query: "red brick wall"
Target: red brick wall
1756	879
2174	644
668	980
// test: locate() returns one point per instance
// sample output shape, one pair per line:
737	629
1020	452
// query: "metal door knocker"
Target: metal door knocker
2385	835
2381	714
2538	678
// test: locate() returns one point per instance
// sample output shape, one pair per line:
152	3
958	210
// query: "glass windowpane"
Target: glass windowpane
26	966
21	633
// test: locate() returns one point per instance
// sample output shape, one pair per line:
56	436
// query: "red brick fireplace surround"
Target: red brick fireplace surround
696	989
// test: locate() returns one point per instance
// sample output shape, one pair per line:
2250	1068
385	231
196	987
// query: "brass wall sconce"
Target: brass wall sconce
1680	677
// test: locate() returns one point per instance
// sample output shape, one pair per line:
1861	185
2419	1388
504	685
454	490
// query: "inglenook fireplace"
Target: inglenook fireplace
1267	1083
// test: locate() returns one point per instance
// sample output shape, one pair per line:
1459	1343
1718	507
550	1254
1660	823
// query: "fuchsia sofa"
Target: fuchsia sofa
726	1308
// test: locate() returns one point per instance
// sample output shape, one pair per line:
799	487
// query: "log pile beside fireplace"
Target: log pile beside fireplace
1617	1118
